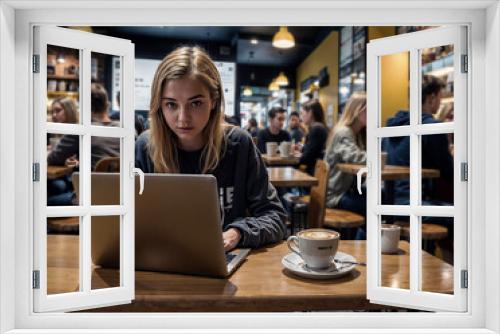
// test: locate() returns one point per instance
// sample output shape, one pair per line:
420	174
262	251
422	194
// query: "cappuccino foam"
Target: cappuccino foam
318	235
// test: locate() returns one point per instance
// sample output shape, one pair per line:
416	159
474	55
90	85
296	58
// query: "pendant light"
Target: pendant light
283	39
273	86
281	79
247	91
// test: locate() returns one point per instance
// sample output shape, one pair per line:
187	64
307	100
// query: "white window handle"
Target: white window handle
359	175
137	171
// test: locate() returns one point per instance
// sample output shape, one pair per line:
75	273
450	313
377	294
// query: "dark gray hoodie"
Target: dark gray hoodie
250	202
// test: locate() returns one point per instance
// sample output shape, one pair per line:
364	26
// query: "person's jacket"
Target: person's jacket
250	202
435	155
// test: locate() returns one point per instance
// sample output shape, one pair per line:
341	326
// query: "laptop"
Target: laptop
178	226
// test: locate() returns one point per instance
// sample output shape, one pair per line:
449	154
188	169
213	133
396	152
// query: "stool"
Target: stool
66	225
430	234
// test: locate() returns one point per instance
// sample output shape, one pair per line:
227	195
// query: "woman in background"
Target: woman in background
60	190
347	144
313	117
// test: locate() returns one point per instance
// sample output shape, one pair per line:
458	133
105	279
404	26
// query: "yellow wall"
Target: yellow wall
395	74
395	84
326	54
395	77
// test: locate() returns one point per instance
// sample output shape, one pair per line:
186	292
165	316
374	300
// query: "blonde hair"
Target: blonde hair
354	106
163	143
70	108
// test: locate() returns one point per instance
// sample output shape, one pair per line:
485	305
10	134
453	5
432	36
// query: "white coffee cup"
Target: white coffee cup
390	238
317	247
285	149
272	148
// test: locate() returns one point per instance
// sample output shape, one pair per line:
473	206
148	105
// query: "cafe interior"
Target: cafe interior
264	68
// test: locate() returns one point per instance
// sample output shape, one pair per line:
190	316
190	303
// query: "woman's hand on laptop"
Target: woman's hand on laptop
231	238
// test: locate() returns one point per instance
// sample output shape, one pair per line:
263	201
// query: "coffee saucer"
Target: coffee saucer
344	265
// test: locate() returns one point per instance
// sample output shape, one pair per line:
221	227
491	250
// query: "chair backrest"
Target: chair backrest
108	164
317	203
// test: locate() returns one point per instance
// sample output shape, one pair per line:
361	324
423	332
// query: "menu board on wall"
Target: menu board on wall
145	70
228	75
144	73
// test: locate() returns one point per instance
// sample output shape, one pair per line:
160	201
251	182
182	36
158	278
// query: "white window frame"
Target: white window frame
483	17
413	44
85	297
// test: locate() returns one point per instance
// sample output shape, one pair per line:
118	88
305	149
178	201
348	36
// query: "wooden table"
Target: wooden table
280	161
260	284
390	172
290	177
54	172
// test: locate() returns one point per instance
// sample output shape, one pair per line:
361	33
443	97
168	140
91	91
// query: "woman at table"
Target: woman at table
347	144
188	135
60	190
313	117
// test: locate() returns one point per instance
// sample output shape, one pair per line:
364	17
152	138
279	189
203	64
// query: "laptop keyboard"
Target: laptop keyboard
230	257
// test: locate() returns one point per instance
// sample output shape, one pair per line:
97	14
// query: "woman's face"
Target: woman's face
362	118
58	114
306	116
186	106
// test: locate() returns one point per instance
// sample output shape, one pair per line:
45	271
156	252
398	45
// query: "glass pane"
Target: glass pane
105	252
63	152
106	155
63	256
437	254
395	89
106	74
437	170
437	84
63	84
395	175
395	252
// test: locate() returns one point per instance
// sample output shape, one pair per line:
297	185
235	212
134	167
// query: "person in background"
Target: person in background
275	132
68	148
294	127
252	127
188	135
60	190
435	148
313	116
347	144
64	110
435	155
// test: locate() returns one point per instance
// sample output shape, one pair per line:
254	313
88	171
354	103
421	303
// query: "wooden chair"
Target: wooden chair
108	164
318	214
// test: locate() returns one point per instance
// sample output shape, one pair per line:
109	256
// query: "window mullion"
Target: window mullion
414	170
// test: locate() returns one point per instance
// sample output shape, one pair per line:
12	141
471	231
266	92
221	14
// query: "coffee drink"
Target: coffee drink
317	247
272	148
317	235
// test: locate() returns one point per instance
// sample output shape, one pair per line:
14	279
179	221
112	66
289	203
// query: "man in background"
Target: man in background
295	128
275	132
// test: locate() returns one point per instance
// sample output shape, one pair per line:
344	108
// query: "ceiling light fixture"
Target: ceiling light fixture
254	41
281	79
273	86
283	39
247	91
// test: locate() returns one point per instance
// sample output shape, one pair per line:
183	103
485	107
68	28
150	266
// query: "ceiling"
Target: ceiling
237	38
